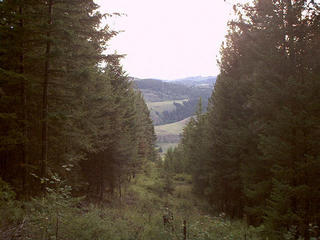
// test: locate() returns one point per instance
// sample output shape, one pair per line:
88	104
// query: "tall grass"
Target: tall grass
139	214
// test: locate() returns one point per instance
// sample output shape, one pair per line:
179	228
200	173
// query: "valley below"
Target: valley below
172	104
168	135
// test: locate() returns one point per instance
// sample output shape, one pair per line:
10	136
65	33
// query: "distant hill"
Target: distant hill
159	110
169	135
171	132
197	81
155	90
170	102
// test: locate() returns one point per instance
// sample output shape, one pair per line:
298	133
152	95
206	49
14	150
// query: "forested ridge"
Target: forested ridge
255	154
77	144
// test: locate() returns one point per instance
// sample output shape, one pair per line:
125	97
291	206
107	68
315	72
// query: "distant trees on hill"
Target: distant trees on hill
182	111
157	91
171	91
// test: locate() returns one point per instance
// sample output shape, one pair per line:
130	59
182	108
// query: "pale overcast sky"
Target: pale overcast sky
168	39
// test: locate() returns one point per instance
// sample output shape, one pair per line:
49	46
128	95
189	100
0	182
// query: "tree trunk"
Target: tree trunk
44	155
23	112
102	187
119	187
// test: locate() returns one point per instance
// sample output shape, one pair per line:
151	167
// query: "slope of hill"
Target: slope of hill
165	105
197	81
157	90
168	135
160	110
171	102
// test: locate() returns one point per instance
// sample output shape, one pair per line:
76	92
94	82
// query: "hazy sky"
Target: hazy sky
168	39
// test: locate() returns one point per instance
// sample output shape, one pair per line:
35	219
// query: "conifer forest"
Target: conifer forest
78	152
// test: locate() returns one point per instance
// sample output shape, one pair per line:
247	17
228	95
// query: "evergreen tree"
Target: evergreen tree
60	112
263	153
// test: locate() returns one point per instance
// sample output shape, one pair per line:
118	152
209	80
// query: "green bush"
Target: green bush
10	210
58	215
183	177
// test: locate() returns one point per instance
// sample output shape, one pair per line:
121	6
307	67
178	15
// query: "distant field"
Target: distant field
168	135
164	106
172	128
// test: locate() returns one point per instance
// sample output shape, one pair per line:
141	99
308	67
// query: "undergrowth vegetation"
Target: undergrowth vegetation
139	214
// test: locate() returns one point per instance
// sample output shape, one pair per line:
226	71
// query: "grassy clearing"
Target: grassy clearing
137	216
158	108
157	191
175	128
164	105
168	135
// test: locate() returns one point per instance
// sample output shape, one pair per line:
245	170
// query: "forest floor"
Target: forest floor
139	215
155	195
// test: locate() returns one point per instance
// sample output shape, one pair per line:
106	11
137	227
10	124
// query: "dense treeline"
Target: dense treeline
256	153
157	90
182	111
61	112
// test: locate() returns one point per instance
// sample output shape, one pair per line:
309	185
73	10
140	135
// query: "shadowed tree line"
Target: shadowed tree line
66	108
255	154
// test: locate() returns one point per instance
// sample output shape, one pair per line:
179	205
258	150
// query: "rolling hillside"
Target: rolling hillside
197	81
159	110
155	90
168	135
172	103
